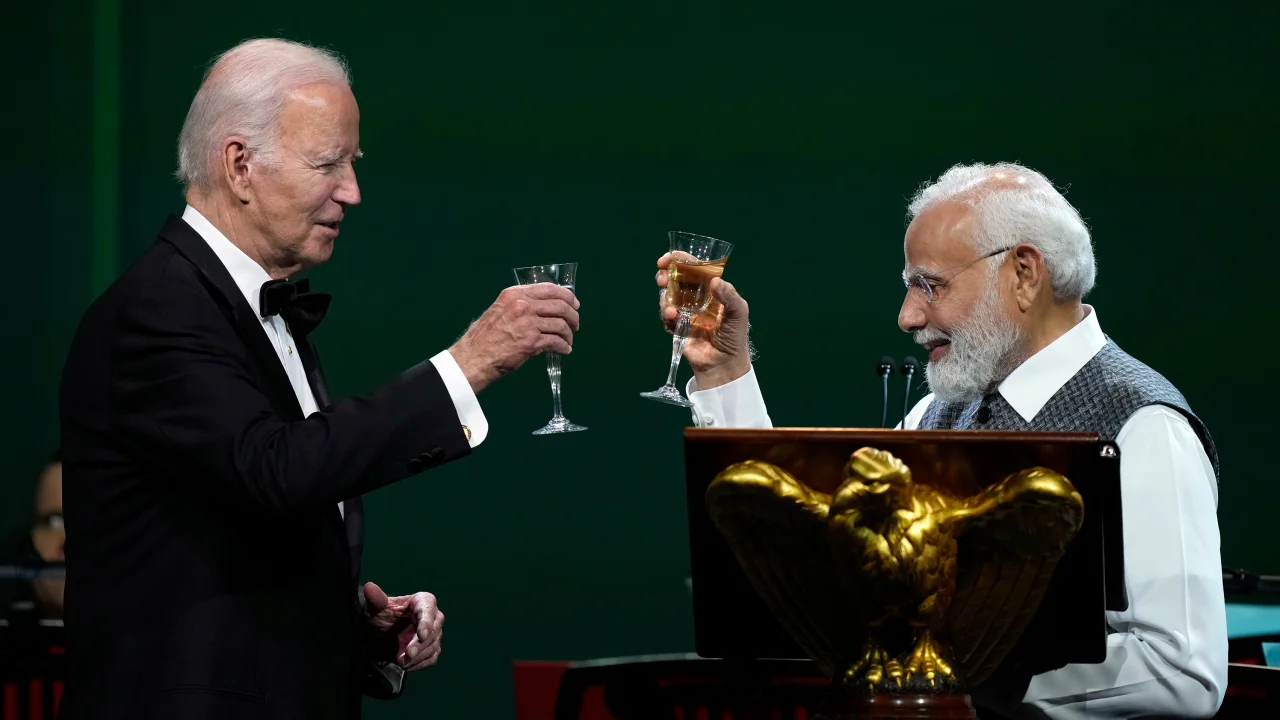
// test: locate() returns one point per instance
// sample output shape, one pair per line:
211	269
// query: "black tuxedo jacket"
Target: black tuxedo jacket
209	571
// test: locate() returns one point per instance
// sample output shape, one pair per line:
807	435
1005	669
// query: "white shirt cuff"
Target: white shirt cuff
736	404
464	399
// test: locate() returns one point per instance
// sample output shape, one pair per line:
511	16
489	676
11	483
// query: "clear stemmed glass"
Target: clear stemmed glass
695	261
565	275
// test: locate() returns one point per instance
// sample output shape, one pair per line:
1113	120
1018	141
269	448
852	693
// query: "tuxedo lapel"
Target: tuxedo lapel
315	371
193	247
353	508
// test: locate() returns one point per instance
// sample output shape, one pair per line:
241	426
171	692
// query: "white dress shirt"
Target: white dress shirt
249	277
1168	655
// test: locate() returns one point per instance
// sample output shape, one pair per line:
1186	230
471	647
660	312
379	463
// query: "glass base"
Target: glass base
558	425
667	394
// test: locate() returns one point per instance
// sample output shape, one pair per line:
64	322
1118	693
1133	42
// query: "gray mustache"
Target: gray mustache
927	335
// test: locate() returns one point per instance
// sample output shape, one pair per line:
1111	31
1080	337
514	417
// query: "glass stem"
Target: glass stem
678	340
553	371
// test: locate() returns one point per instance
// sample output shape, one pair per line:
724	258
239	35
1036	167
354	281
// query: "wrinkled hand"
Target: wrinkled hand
524	321
718	349
415	620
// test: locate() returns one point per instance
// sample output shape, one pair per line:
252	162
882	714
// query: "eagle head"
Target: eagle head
873	479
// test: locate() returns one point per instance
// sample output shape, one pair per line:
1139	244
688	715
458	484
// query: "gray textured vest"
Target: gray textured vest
1099	398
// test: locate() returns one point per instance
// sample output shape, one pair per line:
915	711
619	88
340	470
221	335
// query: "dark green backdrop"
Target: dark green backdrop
505	134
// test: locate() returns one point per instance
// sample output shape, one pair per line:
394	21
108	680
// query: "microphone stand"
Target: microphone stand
910	366
1241	582
21	573
884	370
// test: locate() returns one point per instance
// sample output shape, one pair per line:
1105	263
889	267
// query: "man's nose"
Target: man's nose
911	317
348	191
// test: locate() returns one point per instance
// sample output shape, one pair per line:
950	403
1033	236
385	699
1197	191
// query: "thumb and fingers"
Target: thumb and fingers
421	655
728	296
424	648
427	616
551	291
556	318
427	657
666	310
375	599
732	307
552	309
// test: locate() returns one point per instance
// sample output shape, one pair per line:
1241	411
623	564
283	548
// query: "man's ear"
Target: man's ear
1031	278
236	168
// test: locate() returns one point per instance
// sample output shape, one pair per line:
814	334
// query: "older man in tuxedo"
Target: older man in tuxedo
212	487
997	265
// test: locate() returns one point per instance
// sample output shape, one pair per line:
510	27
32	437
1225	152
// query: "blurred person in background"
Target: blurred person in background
48	536
44	542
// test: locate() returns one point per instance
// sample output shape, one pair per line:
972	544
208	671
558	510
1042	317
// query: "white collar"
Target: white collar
1032	383
245	271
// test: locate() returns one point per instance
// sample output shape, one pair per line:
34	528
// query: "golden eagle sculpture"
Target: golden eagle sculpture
891	585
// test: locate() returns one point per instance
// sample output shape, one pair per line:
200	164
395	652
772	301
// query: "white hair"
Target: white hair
1013	204
244	93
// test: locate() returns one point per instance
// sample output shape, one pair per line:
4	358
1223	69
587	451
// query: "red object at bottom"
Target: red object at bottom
537	687
683	687
33	699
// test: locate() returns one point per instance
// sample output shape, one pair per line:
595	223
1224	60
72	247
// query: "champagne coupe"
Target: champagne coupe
695	261
565	275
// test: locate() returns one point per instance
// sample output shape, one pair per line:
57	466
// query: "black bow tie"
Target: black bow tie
301	309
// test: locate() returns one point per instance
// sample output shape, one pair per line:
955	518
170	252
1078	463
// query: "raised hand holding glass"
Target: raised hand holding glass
564	275
695	261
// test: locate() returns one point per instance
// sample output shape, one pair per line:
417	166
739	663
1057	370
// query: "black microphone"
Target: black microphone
1241	582
884	370
37	571
910	366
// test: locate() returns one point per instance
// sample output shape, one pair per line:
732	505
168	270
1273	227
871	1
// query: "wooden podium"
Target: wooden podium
916	568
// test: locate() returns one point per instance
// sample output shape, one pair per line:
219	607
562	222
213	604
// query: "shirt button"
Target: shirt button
708	421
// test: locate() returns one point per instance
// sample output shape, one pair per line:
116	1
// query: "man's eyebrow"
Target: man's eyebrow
334	156
918	272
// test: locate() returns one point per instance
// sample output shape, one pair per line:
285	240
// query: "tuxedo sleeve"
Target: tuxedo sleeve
185	394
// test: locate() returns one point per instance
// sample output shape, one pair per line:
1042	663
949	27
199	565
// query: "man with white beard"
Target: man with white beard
997	262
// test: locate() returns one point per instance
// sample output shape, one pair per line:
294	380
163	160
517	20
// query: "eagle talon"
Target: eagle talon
926	660
873	668
894	670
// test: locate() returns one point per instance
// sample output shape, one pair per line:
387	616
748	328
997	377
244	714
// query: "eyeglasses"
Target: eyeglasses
930	283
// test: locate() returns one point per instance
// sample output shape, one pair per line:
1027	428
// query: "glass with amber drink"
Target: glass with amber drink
695	261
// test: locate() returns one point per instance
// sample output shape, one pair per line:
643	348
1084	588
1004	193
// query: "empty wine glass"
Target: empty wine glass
695	261
564	275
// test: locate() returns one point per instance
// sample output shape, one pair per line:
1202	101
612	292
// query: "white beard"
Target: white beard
983	351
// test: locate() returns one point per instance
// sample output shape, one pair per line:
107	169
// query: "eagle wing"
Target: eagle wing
777	529
1011	537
